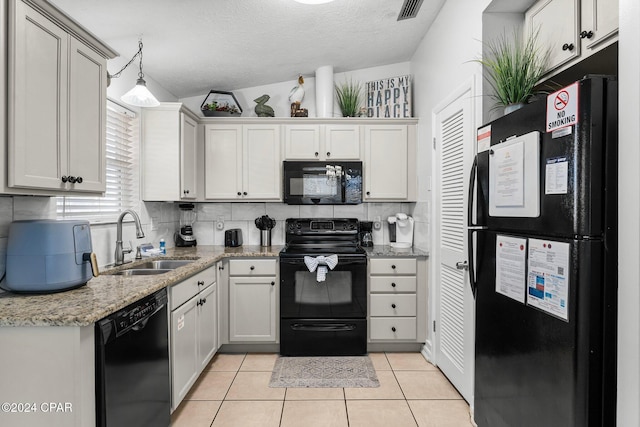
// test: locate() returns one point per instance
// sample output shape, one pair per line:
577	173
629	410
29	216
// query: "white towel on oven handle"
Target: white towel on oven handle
321	263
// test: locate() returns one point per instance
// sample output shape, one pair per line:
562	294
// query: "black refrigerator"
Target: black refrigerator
543	261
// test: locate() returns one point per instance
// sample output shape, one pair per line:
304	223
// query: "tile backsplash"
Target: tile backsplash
161	220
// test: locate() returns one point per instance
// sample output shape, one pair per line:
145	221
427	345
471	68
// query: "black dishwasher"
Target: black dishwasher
132	365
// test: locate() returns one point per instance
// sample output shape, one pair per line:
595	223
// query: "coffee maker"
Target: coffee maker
400	231
184	237
366	238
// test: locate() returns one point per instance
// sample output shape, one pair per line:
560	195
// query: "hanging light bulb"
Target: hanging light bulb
139	96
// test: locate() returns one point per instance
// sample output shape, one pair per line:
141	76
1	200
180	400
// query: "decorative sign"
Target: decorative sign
562	108
484	138
389	97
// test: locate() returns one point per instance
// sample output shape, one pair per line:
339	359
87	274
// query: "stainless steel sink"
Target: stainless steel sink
164	264
159	266
142	271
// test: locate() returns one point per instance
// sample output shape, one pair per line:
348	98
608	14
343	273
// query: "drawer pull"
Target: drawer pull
252	268
393	328
393	285
393	306
393	266
200	282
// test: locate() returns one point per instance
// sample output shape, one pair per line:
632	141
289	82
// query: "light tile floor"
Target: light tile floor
234	391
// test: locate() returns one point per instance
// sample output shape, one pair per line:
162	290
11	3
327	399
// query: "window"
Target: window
122	172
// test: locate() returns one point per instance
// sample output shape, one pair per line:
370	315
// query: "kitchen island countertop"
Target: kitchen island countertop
386	251
107	293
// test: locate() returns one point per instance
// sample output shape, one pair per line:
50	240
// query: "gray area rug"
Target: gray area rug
299	372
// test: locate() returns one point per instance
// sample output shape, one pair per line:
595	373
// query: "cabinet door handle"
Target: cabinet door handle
72	179
586	34
221	268
568	46
393	328
273	283
244	194
393	285
317	154
328	153
239	193
79	180
64	178
368	193
185	191
393	306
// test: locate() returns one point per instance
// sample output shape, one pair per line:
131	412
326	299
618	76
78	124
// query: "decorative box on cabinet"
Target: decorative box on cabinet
169	153
56	103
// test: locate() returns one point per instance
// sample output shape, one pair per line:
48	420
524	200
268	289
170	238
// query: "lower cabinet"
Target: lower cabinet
193	330
253	314
396	300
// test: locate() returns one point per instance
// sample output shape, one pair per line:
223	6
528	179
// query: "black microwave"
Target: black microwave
322	183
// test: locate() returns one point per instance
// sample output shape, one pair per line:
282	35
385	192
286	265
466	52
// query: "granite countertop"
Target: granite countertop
380	251
106	293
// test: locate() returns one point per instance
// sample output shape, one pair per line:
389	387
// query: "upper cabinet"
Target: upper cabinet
572	29
56	103
389	163
169	153
242	162
322	142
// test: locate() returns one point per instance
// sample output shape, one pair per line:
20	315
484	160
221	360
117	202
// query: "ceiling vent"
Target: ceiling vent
409	9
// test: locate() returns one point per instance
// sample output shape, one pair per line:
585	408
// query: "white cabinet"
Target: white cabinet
322	142
389	163
396	300
242	162
193	328
169	153
253	314
572	29
56	105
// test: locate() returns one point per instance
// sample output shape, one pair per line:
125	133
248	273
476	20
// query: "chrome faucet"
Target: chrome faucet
139	234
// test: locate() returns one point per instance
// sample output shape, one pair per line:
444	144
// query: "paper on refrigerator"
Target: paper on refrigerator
548	278
510	267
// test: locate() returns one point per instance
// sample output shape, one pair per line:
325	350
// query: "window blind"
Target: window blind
122	172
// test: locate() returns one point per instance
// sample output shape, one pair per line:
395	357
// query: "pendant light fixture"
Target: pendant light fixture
139	96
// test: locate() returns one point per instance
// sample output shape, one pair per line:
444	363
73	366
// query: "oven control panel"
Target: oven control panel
321	226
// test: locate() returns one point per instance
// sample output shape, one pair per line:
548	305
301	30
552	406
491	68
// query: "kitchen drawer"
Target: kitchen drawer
393	266
393	305
252	267
382	328
393	284
185	290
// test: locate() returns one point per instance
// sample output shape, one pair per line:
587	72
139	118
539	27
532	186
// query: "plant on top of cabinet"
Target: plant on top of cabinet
349	97
513	65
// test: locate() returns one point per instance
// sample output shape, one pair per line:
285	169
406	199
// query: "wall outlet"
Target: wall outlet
220	223
376	223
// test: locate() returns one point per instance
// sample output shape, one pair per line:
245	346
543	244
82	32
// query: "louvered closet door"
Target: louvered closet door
453	342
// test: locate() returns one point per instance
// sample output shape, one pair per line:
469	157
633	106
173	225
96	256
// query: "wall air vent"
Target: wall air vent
409	9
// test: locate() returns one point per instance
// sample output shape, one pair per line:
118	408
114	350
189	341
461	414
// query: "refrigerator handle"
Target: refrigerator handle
472	268
472	186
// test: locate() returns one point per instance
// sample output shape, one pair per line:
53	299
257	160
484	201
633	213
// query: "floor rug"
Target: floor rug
351	371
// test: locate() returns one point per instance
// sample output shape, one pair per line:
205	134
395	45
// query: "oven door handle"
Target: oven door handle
300	261
323	327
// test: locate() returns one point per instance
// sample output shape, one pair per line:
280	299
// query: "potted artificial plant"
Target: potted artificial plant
349	96
513	66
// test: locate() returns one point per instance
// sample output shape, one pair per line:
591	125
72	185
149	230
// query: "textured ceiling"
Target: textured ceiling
191	46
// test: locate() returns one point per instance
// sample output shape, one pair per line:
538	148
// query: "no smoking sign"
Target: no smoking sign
562	108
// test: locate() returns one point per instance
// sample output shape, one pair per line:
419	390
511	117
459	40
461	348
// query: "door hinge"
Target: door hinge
434	142
434	326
